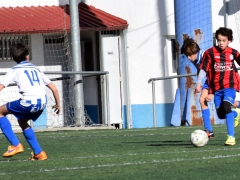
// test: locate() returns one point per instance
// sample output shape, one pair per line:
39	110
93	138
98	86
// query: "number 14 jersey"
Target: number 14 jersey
31	83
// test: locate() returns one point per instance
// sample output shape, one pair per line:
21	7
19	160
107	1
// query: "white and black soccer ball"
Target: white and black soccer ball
199	138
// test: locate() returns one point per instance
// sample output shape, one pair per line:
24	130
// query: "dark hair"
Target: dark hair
224	32
19	52
189	47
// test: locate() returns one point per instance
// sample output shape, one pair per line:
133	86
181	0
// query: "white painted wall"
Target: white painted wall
148	22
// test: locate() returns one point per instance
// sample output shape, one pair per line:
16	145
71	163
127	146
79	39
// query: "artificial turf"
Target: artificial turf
158	153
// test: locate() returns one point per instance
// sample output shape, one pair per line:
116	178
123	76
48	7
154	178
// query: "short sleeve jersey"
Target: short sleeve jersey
221	70
31	82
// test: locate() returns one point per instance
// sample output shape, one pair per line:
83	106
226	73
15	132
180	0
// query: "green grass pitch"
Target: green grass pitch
160	153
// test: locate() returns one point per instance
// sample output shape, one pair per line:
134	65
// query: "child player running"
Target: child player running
31	83
223	78
193	52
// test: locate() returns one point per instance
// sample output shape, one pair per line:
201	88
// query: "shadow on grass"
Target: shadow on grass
163	143
174	143
152	142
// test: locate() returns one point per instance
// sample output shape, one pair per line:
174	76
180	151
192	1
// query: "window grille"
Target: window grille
7	41
54	39
110	32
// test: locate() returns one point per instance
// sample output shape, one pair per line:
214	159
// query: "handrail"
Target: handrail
153	92
71	72
170	77
152	80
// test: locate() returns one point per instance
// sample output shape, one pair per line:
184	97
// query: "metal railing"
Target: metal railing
152	80
105	112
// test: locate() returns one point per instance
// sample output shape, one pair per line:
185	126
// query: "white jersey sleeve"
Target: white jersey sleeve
7	79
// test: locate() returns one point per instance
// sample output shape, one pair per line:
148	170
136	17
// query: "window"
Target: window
174	56
171	55
7	41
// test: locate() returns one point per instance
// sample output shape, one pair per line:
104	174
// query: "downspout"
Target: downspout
128	96
225	3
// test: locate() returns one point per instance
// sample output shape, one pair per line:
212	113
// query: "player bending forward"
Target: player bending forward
31	83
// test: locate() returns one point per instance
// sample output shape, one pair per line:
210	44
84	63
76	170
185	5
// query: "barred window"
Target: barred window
7	41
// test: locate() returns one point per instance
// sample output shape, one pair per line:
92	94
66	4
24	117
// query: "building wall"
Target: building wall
149	22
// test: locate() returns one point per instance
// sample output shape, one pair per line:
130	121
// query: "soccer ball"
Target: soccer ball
199	138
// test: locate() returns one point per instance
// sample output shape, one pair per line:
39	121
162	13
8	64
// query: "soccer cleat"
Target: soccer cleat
236	119
209	134
41	156
230	141
13	150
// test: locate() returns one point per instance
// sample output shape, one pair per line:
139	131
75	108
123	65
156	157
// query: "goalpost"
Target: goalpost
43	26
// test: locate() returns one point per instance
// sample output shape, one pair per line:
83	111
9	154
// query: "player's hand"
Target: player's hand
56	109
198	88
209	97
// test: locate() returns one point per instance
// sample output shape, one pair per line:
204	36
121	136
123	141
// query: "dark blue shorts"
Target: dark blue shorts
228	94
19	111
205	85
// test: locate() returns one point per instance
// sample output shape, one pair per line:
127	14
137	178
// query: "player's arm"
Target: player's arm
203	71
54	90
237	58
201	76
7	79
1	87
209	97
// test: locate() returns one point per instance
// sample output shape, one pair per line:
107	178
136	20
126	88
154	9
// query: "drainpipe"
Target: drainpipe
128	96
225	3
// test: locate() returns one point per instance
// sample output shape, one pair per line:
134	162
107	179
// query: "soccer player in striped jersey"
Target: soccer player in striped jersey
31	83
223	78
193	52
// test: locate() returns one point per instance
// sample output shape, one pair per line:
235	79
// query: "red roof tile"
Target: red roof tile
42	19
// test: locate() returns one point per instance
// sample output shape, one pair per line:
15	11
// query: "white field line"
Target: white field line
133	154
130	130
106	129
123	164
120	135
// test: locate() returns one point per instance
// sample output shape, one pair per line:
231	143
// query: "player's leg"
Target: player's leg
38	153
228	101
206	113
236	112
15	147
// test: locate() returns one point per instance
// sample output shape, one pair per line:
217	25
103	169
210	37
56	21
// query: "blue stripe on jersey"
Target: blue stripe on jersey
38	69
199	57
24	64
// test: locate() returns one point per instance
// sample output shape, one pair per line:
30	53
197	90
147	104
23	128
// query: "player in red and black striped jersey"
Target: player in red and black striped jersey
223	77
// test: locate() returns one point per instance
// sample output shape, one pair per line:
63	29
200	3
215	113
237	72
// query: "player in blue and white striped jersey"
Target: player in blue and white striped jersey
191	49
31	83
